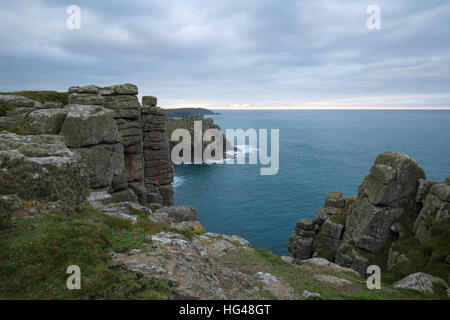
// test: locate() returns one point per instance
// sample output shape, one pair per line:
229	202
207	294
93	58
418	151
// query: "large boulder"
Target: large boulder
180	213
420	281
125	106
86	99
42	168
369	226
393	180
125	89
385	194
104	163
300	247
18	101
149	101
87	125
48	121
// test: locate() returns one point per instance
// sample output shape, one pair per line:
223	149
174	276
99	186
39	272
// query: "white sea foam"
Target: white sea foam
177	181
246	149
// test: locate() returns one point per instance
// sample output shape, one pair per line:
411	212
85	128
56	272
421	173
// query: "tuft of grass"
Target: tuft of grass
4	108
139	213
154	207
339	218
4	216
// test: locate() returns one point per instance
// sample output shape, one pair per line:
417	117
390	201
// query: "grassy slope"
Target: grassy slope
42	96
35	252
300	278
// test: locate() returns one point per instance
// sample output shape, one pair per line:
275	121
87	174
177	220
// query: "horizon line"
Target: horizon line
326	108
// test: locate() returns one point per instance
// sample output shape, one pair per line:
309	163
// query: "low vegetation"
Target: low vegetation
300	277
35	253
42	96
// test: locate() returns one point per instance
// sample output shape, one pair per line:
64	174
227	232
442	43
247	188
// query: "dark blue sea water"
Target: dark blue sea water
320	152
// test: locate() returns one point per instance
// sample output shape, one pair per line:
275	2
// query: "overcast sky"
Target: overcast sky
234	53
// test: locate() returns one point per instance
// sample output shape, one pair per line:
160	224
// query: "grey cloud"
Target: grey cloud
219	53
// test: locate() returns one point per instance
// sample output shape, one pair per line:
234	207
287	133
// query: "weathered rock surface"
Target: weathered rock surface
88	125
393	180
338	283
435	211
44	121
105	166
19	101
329	266
87	99
321	236
369	226
179	213
159	171
383	197
195	268
420	281
42	168
352	231
99	200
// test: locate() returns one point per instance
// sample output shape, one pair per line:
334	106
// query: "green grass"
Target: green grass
4	108
339	218
428	258
4	216
139	213
42	96
301	278
35	253
154	207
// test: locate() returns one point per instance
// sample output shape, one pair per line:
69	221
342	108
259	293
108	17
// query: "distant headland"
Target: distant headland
183	112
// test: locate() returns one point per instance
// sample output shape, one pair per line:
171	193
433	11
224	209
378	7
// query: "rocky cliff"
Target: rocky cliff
398	221
122	142
88	183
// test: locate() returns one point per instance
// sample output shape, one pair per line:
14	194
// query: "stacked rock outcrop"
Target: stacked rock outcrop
107	127
92	131
122	100
159	171
321	236
345	229
127	112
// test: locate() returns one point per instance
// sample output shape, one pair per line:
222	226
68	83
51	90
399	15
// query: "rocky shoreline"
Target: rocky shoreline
91	179
398	219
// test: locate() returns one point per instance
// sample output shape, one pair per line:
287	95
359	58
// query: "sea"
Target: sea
320	151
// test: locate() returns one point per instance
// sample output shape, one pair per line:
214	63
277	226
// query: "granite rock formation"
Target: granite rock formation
107	127
42	168
350	231
159	171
